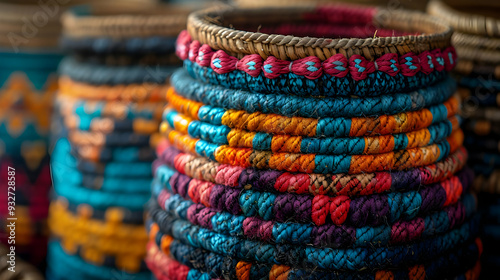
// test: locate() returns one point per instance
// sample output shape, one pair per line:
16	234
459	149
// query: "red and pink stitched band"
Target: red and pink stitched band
357	66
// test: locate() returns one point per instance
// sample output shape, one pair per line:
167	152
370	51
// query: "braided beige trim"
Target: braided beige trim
34	44
461	39
476	55
12	11
13	26
127	21
206	27
15	10
451	12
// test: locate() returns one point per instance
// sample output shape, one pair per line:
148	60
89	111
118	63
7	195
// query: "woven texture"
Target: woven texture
302	158
27	86
31	24
478	42
28	82
214	28
105	129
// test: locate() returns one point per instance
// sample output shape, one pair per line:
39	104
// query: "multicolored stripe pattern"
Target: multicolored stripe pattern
334	76
313	163
324	235
305	256
312	107
223	135
312	127
348	166
319	209
161	260
314	184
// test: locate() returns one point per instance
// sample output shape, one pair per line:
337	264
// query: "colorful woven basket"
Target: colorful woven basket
30	56
36	25
477	39
125	35
27	86
106	126
313	157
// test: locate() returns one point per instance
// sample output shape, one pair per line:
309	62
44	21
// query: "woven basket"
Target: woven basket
477	17
247	184
127	21
477	41
37	25
231	30
116	78
477	36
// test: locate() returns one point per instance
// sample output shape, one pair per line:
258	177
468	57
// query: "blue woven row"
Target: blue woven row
62	266
328	145
326	258
206	265
112	75
86	110
133	46
101	200
377	83
61	158
72	178
488	84
325	127
65	166
218	266
293	105
295	233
